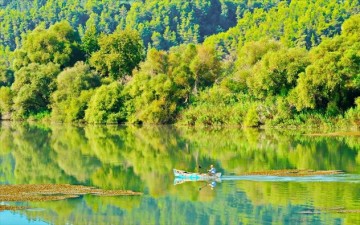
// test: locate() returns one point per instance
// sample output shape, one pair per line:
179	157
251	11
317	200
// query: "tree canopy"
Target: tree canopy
218	62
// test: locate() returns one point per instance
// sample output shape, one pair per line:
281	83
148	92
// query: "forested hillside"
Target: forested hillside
160	23
294	23
214	62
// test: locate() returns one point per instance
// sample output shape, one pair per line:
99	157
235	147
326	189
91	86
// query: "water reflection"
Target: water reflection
142	159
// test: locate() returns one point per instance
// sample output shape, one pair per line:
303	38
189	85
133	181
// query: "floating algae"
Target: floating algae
52	192
11	207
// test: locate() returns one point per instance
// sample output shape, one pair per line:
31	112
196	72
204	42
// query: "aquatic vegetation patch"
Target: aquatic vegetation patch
53	192
11	207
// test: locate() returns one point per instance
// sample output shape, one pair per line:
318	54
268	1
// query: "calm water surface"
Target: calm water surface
142	159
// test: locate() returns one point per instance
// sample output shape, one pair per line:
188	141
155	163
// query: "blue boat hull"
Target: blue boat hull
195	176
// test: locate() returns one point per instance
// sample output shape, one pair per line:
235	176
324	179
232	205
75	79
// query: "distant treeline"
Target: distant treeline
280	63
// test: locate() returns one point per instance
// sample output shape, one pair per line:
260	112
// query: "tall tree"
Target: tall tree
119	54
332	81
32	88
71	97
59	44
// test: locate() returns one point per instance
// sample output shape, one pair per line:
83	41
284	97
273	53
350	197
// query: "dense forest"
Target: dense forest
217	62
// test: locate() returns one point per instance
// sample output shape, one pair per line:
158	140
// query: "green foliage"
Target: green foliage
32	88
70	100
266	68
294	23
205	66
106	105
89	41
6	73
332	80
252	118
165	82
153	99
283	111
163	24
353	114
59	44
40	116
281	55
5	100
19	17
119	54
154	96
205	109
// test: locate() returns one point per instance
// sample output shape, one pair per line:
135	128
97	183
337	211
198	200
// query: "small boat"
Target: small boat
195	176
181	180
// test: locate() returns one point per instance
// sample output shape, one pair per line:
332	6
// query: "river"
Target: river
141	159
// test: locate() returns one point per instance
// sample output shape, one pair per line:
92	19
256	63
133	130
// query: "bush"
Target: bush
106	105
353	114
252	118
74	90
5	100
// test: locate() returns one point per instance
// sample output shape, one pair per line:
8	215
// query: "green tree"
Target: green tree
106	105
119	54
271	69
6	74
302	23
59	44
332	80
32	88
5	100
69	101
165	81
89	41
152	99
206	67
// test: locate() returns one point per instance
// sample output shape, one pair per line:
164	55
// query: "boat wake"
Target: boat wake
349	178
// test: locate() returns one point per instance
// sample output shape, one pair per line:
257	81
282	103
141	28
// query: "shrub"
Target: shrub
106	105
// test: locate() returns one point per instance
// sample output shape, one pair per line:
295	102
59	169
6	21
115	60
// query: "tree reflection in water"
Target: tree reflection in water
142	159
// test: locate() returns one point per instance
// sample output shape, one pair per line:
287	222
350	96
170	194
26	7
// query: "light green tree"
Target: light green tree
71	97
332	81
106	105
59	44
119	54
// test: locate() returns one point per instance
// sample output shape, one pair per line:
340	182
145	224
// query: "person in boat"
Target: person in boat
212	170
